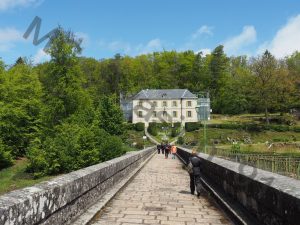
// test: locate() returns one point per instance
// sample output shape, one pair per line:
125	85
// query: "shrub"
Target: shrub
192	126
280	139
5	156
72	147
177	125
139	145
129	126
285	119
296	129
140	126
231	126
37	159
253	127
180	140
165	124
235	148
174	132
112	148
152	129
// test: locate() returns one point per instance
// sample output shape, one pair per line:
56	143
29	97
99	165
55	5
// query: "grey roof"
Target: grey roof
160	94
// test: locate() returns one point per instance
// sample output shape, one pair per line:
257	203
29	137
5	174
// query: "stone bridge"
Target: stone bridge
145	188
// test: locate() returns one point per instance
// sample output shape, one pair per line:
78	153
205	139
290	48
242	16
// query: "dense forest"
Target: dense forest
64	114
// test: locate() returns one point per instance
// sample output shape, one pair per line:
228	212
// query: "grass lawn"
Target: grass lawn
221	136
258	139
15	177
243	118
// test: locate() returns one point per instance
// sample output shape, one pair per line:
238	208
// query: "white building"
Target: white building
164	105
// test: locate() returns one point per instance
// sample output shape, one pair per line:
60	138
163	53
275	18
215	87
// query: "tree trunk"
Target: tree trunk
267	116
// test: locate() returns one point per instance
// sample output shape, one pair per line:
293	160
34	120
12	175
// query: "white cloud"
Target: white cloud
128	48
8	38
9	4
40	56
286	40
115	46
201	31
197	39
236	43
205	51
10	34
151	46
119	45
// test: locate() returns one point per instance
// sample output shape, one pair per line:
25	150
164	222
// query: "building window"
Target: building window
155	103
174	114
154	114
164	103
174	103
189	113
140	103
140	113
189	103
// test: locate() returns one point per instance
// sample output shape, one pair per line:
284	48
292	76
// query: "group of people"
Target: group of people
167	149
193	166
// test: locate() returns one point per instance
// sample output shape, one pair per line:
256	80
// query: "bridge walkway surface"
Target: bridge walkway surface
159	194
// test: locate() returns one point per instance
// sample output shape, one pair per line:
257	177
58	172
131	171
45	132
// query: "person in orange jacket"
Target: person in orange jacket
173	150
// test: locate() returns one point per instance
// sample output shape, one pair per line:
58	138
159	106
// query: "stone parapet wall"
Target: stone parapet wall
61	199
267	197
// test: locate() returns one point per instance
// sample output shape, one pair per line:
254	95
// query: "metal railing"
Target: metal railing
284	165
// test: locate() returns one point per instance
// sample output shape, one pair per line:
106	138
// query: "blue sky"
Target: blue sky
134	27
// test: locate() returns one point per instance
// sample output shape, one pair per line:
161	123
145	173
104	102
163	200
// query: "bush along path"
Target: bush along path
155	141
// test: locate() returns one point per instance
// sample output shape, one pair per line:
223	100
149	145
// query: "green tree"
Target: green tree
20	61
111	116
20	107
5	156
293	64
266	82
219	67
63	80
235	99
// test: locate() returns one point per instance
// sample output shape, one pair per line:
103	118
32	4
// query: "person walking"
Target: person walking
158	148
167	150
174	151
195	173
163	147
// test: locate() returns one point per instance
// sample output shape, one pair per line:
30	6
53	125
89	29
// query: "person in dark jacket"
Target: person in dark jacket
195	174
162	148
167	150
158	149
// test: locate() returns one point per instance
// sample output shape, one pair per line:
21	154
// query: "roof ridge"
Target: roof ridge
145	93
184	93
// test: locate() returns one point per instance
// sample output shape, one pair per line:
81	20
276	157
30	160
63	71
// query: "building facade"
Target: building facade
164	105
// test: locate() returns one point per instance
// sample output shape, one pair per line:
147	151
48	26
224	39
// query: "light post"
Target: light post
144	140
165	138
204	126
203	114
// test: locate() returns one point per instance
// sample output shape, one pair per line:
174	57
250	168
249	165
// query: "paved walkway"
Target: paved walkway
159	194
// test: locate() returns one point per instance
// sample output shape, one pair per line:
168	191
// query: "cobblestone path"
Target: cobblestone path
159	194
